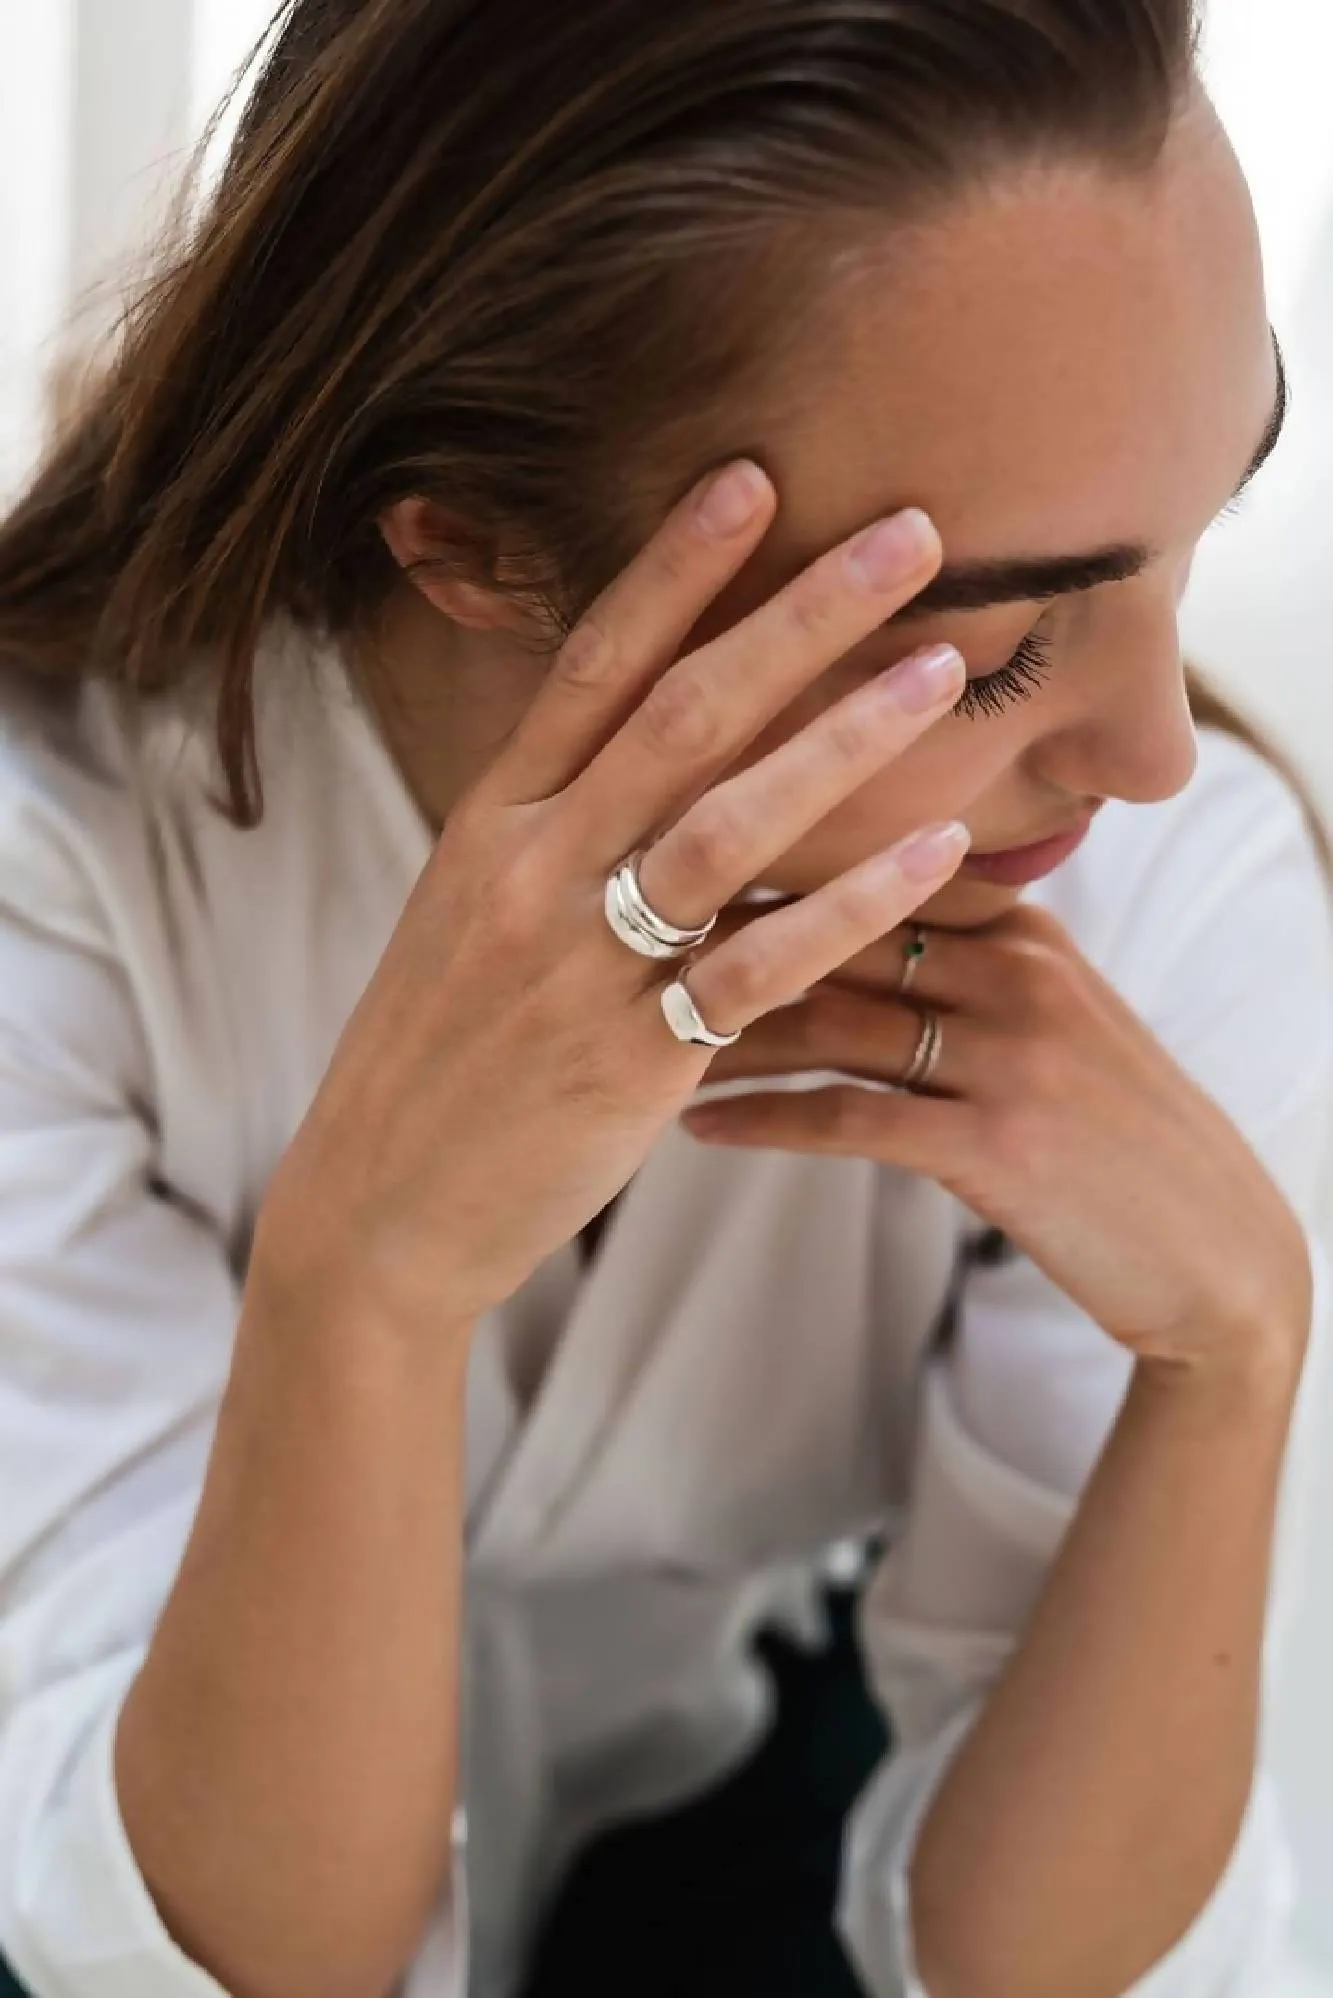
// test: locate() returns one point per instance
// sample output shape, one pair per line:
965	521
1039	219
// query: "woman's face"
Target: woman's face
1073	374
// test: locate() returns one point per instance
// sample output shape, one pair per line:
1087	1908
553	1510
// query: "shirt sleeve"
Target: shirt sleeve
1225	951
117	1309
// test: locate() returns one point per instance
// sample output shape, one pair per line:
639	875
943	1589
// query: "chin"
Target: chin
967	905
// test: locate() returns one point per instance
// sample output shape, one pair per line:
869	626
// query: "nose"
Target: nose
1130	734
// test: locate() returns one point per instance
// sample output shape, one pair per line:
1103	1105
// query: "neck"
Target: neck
446	698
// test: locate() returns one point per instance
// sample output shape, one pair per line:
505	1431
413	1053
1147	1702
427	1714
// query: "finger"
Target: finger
778	957
633	632
1006	971
857	1034
701	714
883	967
931	1136
879	968
961	970
948	968
742	826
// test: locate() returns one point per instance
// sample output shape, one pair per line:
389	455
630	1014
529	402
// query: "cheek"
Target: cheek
944	775
962	768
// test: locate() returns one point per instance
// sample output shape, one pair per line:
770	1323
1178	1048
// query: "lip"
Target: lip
1016	866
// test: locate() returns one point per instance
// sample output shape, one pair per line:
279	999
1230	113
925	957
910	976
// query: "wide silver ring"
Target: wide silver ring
929	1048
687	1023
637	923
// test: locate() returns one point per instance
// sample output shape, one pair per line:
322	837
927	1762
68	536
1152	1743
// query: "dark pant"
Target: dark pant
733	1895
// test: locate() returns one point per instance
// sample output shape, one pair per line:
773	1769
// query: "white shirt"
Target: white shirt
741	1382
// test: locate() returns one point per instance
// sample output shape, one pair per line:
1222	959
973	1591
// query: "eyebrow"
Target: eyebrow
973	586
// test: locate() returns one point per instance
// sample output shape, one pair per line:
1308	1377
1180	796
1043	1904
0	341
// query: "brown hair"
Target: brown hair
498	253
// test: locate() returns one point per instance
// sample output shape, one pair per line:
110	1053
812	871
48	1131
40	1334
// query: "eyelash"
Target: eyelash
1028	668
1024	673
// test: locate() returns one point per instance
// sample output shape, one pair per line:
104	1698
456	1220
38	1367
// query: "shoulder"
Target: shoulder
65	803
109	799
239	953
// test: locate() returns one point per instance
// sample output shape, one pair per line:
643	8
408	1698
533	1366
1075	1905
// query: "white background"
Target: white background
101	99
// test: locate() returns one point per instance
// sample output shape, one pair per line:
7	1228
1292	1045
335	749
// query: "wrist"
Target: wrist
302	1299
1246	1344
1254	1371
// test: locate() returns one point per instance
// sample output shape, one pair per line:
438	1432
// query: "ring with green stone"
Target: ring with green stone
912	956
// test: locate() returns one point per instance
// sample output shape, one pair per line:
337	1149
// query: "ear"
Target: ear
431	546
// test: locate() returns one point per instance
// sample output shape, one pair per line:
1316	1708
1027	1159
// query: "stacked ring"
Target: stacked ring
638	924
928	1051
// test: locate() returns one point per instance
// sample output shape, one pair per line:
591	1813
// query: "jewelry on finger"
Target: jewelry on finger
687	1023
929	1048
915	951
633	919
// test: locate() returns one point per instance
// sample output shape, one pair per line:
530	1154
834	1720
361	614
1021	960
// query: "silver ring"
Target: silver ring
928	1051
638	924
687	1022
915	952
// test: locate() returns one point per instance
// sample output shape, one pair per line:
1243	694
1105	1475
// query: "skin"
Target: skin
1062	366
1073	361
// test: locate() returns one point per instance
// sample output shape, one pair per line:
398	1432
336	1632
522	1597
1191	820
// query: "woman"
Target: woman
498	550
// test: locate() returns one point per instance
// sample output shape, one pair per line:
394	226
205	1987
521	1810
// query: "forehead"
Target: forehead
1070	359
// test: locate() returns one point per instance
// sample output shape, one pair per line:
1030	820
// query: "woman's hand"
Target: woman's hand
509	1066
1057	1116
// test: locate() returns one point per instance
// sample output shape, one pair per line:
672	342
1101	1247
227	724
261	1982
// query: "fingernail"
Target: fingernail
732	500
885	554
932	851
927	680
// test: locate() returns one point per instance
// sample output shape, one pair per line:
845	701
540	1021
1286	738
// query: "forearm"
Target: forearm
286	1759
1093	1809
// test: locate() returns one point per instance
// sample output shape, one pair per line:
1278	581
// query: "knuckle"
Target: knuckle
811	606
590	657
739	984
1044	980
517	908
1029	920
845	735
707	846
511	930
679	716
854	898
841	1114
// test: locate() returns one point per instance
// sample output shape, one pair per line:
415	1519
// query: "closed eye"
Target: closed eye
1020	676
